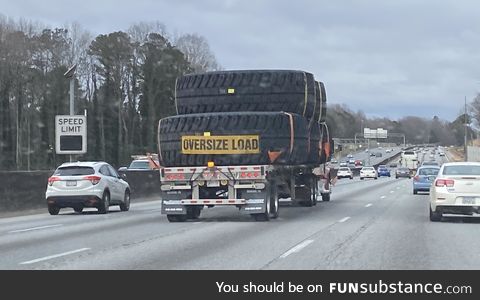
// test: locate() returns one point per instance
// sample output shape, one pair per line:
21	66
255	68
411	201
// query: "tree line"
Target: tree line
124	83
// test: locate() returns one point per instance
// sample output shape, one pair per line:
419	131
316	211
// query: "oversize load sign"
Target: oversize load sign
71	134
224	144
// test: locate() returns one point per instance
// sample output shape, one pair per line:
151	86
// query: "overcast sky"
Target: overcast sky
387	58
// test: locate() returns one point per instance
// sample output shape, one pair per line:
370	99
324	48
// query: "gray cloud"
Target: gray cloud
387	58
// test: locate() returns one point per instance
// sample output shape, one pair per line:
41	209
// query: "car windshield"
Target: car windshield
403	170
138	164
74	171
344	169
428	171
367	169
462	170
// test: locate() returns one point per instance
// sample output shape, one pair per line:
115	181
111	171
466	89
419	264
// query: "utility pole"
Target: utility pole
465	135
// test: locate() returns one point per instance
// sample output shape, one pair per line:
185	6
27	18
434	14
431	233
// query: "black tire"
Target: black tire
273	128
323	93
415	192
434	215
53	210
274	202
248	90
78	209
177	218
125	205
361	178
104	206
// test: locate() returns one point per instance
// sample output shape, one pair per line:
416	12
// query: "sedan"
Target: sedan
402	172
422	181
456	190
368	172
87	184
383	171
344	172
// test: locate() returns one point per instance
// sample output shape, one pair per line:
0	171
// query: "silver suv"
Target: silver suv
87	184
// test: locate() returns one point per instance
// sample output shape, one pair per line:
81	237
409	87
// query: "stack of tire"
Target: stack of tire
285	108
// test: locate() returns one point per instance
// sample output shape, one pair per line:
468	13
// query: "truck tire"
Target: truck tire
193	212
274	202
250	90
273	128
323	102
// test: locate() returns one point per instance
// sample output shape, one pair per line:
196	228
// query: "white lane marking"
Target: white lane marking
383	197
398	187
297	248
368	205
53	256
344	220
391	192
35	228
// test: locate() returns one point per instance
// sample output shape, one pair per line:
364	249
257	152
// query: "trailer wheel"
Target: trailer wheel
177	218
274	202
308	193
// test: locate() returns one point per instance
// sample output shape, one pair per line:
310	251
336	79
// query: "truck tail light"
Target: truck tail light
93	179
444	182
52	179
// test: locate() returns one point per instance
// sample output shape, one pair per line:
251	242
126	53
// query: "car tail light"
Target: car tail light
444	182
416	178
52	179
93	179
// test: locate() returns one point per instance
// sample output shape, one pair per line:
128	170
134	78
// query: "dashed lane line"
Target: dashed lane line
35	228
297	248
53	256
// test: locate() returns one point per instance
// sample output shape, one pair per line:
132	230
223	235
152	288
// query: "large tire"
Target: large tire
323	94
249	90
265	216
274	130
274	201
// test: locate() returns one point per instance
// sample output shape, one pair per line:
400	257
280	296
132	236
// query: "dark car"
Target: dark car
402	172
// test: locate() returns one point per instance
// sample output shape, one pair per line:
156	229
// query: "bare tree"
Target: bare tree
197	52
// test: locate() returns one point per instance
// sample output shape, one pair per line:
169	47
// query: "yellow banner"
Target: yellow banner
221	144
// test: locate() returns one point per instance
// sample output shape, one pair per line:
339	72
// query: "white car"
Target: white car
368	172
456	190
87	184
344	172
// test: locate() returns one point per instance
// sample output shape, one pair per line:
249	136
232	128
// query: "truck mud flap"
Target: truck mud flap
255	200
171	202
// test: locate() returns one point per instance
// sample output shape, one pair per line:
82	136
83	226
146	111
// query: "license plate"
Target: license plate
213	183
468	200
71	183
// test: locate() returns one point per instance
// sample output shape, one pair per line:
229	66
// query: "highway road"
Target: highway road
369	224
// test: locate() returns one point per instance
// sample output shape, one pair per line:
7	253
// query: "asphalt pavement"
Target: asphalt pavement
368	224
